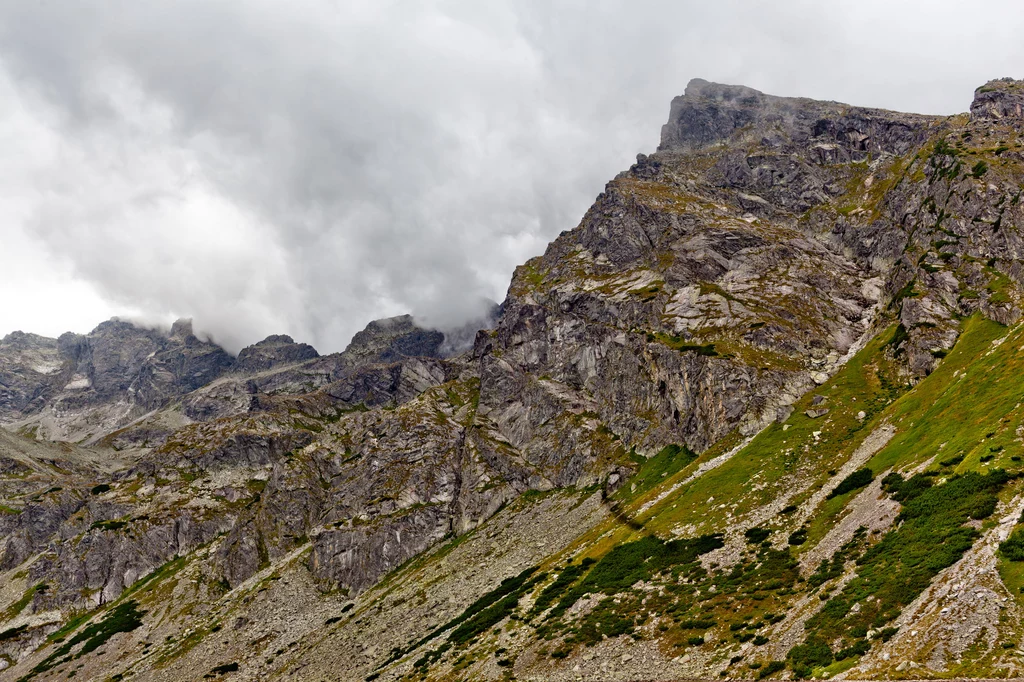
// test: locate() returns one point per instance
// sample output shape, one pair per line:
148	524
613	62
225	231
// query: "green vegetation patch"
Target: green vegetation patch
831	569
783	449
1013	547
114	524
683	346
756	536
553	592
654	470
17	607
12	633
932	537
634	561
858	479
124	617
487	617
770	669
486	611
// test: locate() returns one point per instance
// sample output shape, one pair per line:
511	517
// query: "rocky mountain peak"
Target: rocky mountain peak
710	114
392	338
998	99
181	329
698	88
83	384
277	349
20	339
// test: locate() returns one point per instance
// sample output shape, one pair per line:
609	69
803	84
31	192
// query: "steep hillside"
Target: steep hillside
756	416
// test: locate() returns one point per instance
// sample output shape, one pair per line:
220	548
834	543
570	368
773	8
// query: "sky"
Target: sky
305	167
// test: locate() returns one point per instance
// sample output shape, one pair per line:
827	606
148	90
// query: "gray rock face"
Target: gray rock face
30	368
271	352
83	386
709	113
119	359
998	99
391	339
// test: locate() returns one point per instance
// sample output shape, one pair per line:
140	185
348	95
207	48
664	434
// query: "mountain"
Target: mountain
755	416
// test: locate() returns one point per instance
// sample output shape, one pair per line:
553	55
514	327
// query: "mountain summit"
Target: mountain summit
757	415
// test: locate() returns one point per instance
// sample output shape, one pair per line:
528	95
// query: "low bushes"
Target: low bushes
858	479
932	537
1013	547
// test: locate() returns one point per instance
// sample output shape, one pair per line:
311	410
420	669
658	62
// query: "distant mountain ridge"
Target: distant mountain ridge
81	387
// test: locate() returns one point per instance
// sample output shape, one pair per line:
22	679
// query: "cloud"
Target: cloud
305	167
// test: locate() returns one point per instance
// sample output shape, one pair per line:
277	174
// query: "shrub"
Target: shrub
12	633
770	669
886	634
476	618
802	671
892	481
224	668
485	618
859	648
556	589
798	537
1013	547
756	536
903	491
979	169
983	507
108	525
858	479
630	562
695	641
814	652
124	617
932	537
943	148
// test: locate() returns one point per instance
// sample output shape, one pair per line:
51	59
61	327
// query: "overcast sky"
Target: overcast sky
305	167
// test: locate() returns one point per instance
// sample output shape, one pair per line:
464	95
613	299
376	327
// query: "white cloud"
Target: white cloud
303	168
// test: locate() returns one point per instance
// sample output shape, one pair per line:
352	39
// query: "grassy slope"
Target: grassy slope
968	407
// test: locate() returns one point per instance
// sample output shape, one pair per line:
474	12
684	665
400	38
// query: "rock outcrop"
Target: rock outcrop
998	99
271	352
